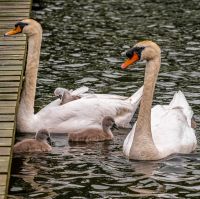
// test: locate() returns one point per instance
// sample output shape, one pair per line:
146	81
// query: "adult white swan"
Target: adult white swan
162	130
80	114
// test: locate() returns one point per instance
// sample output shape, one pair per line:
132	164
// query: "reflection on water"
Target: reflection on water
82	45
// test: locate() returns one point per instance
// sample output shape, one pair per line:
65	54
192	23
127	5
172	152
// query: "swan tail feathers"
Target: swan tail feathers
179	101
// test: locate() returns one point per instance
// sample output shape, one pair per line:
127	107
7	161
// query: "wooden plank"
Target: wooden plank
12	18
3	196
5	26
9	84
9	48
11	62
5	142
20	1
11	57
16	10
6	133
15	1
14	14
7	110
8	90
8	38
15	6
7	118
9	78
8	96
6	125
4	163
2	191
5	151
12	43
13	38
8	73
3	179
12	52
10	68
8	103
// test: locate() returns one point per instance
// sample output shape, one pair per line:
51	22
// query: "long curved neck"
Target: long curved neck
144	117
26	105
143	146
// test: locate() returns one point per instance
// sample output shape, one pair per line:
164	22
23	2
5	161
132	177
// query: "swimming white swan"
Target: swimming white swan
70	117
162	130
41	143
94	135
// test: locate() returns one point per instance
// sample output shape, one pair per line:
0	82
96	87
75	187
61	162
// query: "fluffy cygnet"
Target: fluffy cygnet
69	95
93	135
41	143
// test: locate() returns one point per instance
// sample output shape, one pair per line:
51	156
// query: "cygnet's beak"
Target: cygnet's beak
60	96
114	126
50	141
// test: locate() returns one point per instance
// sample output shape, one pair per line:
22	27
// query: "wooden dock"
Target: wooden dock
12	62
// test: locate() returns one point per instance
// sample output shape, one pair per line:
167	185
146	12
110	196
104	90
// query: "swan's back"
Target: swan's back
86	112
171	127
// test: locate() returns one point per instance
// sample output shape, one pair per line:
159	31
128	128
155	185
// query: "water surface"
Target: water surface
82	45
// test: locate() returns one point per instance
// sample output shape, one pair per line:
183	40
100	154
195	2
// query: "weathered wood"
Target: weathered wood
15	6
11	57
3	197
7	118
18	1
2	191
12	52
8	103
14	14
8	90
6	125
8	96
10	38
10	48
9	84
5	151
5	142
10	68
7	110
8	73
12	43
11	62
12	18
3	179
16	10
4	163
9	78
15	1
6	133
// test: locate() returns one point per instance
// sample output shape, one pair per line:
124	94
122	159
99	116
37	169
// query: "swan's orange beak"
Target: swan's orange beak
128	62
14	31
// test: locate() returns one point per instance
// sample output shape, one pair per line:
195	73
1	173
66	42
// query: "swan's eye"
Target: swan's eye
21	25
137	50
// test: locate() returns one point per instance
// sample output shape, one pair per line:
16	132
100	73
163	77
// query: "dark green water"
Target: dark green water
82	43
